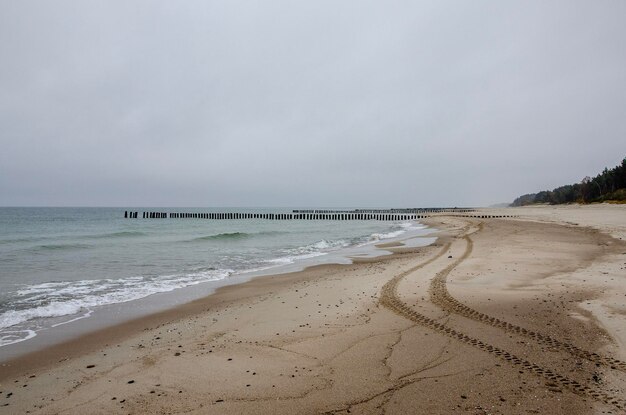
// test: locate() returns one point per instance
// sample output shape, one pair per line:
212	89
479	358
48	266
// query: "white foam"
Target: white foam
380	236
68	298
412	226
87	314
12	337
313	250
320	246
405	227
293	258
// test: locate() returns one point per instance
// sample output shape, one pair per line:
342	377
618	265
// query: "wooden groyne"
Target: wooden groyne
333	215
387	211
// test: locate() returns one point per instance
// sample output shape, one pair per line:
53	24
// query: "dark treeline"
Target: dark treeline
606	186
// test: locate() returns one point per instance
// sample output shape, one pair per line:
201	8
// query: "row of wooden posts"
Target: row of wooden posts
401	211
299	216
276	216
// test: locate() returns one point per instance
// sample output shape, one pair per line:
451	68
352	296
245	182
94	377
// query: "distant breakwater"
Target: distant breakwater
315	214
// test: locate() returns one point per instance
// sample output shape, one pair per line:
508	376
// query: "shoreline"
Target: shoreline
252	284
484	319
101	311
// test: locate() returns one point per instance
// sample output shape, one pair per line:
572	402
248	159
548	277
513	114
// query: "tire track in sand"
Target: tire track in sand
389	299
440	295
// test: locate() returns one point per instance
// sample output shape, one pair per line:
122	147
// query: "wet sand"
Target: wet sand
522	315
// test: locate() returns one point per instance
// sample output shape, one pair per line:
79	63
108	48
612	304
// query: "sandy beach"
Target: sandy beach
514	315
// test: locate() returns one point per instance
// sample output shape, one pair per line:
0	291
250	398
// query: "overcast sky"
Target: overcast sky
316	103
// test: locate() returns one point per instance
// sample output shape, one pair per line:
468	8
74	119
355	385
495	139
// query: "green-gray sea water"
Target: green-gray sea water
58	265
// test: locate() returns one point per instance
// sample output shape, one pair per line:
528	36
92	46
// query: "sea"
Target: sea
62	267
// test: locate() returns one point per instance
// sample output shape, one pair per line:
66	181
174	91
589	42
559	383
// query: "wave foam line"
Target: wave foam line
68	298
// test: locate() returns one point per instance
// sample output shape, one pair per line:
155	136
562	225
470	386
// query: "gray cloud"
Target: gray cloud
320	103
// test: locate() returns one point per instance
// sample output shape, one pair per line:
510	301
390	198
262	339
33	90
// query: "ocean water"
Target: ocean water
59	265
